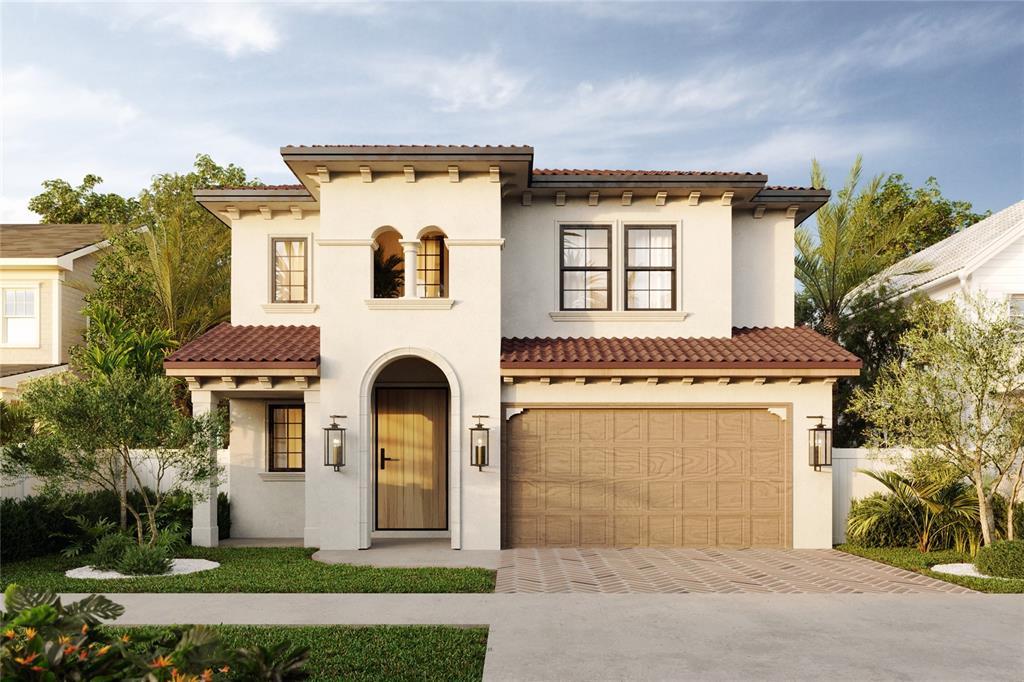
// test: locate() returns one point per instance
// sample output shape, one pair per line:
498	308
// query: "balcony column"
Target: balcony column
410	248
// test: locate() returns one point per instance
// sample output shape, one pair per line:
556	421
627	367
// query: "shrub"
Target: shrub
144	560
1004	559
110	550
224	516
880	520
45	640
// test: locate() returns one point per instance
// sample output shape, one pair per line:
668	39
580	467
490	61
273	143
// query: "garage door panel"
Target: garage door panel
647	477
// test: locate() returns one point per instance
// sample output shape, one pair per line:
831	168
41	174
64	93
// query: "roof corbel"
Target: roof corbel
453	173
593	198
660	198
791	211
323	175
366	174
759	212
232	212
627	198
495	173
694	198
410	173
559	198
296	212
727	198
527	198
266	212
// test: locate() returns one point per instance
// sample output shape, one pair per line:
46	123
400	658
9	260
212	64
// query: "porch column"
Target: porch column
314	428
410	247
204	513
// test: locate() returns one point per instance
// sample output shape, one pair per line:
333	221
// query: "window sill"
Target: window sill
618	316
298	308
282	476
410	303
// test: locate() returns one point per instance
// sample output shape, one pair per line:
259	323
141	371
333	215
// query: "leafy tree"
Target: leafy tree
956	395
61	203
927	216
851	246
122	283
388	276
111	345
87	426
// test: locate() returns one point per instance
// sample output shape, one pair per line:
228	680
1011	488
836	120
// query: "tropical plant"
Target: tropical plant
852	245
109	551
112	345
144	560
388	277
95	431
932	507
880	520
956	395
86	536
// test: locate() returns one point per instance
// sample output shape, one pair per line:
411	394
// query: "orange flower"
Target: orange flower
125	638
225	669
85	628
161	662
37	668
103	650
70	649
26	660
63	639
9	633
30	632
207	675
83	654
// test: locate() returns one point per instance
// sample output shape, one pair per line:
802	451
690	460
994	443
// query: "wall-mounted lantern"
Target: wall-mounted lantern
819	444
479	440
334	443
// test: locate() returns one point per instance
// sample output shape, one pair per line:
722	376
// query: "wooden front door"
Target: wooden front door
412	459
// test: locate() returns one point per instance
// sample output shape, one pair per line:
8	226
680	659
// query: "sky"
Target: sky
127	91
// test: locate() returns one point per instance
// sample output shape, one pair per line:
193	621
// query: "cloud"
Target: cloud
32	95
470	82
232	28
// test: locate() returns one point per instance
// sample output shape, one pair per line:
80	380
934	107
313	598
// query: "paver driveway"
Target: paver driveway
705	570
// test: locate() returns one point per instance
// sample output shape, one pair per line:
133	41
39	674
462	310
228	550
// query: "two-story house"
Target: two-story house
44	270
628	336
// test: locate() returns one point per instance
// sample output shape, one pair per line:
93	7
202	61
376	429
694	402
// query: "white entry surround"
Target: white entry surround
500	223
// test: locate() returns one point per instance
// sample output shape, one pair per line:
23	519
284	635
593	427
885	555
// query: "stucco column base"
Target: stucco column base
410	248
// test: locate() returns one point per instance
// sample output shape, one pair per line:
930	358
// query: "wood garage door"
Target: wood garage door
646	477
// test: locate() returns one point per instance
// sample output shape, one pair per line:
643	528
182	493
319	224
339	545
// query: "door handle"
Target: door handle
384	459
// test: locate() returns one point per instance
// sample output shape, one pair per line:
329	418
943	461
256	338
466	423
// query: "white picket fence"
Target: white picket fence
147	473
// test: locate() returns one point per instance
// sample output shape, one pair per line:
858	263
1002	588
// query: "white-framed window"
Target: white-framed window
1017	305
19	316
289	270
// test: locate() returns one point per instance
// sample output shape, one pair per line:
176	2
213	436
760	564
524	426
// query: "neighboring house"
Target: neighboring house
987	257
629	335
43	272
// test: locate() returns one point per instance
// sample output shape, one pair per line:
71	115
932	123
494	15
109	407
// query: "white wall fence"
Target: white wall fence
144	465
848	484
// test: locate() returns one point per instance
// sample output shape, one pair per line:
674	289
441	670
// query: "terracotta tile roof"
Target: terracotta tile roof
794	188
46	241
409	146
749	347
293	186
595	171
251	346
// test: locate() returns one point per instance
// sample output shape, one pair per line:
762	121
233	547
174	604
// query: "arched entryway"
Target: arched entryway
411	442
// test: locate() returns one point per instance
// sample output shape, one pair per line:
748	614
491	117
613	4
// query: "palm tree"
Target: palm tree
853	244
388	276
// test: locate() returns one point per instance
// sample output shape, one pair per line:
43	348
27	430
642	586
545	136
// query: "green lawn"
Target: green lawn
379	652
254	569
912	560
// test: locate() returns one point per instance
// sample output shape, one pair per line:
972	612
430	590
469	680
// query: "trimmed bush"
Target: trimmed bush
144	560
1003	559
110	550
41	524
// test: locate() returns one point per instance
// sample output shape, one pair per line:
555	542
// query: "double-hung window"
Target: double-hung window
291	270
287	438
1017	306
430	268
585	267
19	311
650	267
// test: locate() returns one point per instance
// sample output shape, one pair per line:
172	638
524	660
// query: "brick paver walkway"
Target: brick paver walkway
705	570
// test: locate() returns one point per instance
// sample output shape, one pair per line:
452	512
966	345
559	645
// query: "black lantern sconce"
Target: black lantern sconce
334	443
479	441
819	444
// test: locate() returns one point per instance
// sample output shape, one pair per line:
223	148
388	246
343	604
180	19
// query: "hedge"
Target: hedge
1004	559
37	525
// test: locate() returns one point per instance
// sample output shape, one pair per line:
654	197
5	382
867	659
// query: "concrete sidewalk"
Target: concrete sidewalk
662	637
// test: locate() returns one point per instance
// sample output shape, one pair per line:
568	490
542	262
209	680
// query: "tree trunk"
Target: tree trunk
830	325
122	496
1009	521
984	509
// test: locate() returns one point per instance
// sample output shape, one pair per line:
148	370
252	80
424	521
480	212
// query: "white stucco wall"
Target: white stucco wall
704	272
251	267
763	272
812	490
463	340
260	508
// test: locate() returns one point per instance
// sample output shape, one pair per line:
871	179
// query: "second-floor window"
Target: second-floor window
430	268
19	310
585	267
291	270
650	267
287	438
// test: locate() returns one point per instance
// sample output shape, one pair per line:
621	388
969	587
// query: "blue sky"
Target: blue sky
130	90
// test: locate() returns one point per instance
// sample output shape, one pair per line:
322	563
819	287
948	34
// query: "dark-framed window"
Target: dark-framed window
585	267
286	437
650	267
430	266
291	270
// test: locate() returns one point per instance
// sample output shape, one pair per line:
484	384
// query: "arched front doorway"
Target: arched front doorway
411	408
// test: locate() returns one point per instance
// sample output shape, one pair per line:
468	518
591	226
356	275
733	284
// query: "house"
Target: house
575	358
43	273
987	257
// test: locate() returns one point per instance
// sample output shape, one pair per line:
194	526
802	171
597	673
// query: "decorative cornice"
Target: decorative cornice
297	308
409	303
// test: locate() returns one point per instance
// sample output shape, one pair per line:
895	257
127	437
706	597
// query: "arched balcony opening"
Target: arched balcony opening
432	264
388	264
